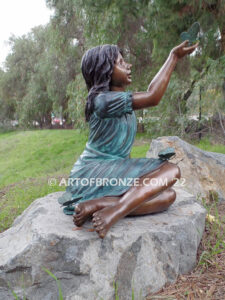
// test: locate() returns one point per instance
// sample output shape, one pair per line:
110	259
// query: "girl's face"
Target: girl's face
121	75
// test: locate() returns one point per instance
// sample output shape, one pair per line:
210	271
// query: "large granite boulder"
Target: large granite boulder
139	253
203	172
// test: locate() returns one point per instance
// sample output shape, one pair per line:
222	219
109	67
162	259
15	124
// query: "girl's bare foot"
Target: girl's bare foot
104	219
86	209
83	212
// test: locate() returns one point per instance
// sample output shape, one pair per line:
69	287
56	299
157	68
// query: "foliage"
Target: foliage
42	73
50	274
140	31
57	282
77	94
206	145
215	243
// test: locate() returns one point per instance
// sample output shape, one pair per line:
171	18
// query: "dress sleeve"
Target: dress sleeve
113	104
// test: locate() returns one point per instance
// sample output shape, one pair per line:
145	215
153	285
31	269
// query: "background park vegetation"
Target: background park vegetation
42	73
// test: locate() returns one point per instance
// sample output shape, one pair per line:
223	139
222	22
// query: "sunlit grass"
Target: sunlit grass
206	145
32	154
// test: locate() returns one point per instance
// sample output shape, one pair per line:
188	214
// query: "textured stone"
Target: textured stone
203	172
139	253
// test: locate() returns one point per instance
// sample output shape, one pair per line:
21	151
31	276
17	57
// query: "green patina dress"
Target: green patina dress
107	153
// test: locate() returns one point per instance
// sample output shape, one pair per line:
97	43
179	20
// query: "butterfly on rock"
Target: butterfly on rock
167	153
192	34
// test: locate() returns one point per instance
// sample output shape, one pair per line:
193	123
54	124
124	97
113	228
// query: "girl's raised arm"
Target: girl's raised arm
158	85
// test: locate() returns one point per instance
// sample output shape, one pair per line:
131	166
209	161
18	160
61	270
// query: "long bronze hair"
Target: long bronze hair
97	67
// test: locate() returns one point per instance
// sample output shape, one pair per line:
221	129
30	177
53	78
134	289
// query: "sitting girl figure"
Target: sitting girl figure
105	160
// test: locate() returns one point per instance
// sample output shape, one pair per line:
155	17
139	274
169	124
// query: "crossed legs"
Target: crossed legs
138	200
155	204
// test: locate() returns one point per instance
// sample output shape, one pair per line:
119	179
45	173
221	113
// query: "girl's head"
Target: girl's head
97	67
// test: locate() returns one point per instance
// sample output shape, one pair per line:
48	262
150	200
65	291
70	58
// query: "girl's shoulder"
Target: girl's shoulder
111	103
113	95
108	93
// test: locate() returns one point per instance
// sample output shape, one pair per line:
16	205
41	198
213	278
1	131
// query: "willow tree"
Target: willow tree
146	31
22	67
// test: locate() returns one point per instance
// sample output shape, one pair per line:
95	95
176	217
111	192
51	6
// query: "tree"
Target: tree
43	71
7	106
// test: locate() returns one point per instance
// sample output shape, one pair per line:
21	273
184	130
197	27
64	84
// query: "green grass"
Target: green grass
29	158
32	154
215	243
57	282
206	145
139	151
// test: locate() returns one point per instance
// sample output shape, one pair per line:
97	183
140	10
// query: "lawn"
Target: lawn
205	144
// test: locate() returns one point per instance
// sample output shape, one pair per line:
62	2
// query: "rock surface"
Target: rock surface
139	253
203	172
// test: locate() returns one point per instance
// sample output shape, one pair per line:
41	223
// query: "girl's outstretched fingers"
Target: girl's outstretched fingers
182	49
192	48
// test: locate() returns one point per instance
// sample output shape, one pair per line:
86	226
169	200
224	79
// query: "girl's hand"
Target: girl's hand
182	49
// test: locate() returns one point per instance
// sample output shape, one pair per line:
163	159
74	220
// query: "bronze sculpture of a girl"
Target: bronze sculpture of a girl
110	113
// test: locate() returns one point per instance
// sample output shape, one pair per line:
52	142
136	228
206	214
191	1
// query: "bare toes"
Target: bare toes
77	209
75	221
97	224
77	224
78	217
96	218
95	215
101	235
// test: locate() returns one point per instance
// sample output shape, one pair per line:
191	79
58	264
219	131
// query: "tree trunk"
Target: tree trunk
200	114
48	120
223	39
221	123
